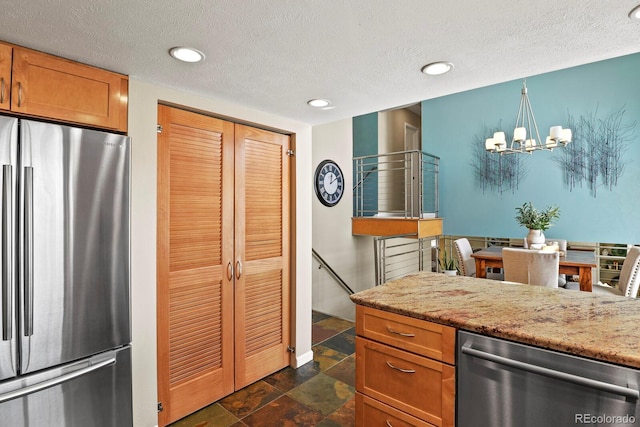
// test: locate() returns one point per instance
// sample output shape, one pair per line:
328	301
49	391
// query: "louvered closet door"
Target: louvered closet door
262	254
195	247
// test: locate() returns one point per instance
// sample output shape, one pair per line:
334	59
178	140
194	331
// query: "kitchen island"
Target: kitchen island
596	327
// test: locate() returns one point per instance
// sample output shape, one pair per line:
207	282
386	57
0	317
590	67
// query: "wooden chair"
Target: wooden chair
532	267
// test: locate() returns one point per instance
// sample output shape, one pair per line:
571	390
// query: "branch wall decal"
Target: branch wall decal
596	155
492	172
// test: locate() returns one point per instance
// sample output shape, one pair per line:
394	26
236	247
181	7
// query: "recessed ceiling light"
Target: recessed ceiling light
635	13
437	68
319	103
186	54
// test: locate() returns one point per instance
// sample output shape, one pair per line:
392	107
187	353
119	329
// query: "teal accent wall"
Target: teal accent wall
365	143
451	123
365	135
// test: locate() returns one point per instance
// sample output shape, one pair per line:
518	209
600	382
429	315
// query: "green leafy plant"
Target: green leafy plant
534	219
448	263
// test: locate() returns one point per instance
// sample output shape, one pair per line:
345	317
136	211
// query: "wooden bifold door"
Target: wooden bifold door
223	258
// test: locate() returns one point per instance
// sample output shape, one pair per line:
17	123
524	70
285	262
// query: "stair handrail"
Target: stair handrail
331	271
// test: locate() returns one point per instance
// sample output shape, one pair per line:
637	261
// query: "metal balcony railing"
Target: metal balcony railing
400	184
398	256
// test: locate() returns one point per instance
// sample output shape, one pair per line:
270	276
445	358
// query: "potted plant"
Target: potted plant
448	265
537	221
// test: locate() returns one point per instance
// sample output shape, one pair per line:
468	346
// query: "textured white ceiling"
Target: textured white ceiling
363	55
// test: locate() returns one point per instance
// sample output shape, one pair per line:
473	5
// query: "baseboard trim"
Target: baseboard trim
302	359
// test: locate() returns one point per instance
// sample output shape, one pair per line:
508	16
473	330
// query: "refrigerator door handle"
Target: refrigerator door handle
7	296
27	277
56	381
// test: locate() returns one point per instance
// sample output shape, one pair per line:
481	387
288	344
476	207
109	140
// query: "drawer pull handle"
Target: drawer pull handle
2	90
19	94
406	371
403	334
388	423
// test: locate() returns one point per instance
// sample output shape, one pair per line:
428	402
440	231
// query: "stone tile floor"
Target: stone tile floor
319	393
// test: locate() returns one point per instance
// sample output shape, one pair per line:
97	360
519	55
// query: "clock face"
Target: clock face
329	183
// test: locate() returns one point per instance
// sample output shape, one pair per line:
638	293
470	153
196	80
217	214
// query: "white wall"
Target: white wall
143	100
391	128
391	182
350	256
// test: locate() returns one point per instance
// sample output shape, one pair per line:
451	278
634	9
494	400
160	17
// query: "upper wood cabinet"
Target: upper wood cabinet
5	76
47	86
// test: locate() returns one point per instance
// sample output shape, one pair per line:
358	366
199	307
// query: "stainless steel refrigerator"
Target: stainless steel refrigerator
65	355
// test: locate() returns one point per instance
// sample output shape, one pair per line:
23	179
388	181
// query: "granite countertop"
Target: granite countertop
601	327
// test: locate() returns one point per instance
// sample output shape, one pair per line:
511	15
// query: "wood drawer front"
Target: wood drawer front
372	413
415	335
47	86
419	386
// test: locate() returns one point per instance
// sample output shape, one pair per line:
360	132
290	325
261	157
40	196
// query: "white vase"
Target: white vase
451	272
535	237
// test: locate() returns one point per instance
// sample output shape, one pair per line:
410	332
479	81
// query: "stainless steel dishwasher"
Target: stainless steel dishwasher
504	384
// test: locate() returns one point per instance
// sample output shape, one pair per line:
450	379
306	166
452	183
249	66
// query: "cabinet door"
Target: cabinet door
262	253
195	255
5	76
52	87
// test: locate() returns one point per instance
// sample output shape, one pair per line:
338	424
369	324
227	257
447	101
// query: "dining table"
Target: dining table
572	262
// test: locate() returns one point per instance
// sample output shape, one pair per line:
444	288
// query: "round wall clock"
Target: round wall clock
329	183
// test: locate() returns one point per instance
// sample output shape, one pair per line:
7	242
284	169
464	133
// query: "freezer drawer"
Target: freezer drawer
94	392
504	384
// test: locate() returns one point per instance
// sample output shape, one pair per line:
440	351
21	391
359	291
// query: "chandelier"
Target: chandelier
526	137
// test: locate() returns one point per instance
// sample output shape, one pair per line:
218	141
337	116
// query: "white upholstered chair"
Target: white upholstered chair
466	263
629	276
532	267
562	247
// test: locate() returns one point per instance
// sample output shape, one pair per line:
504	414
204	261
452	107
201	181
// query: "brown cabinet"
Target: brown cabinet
377	413
223	258
405	373
41	85
5	76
